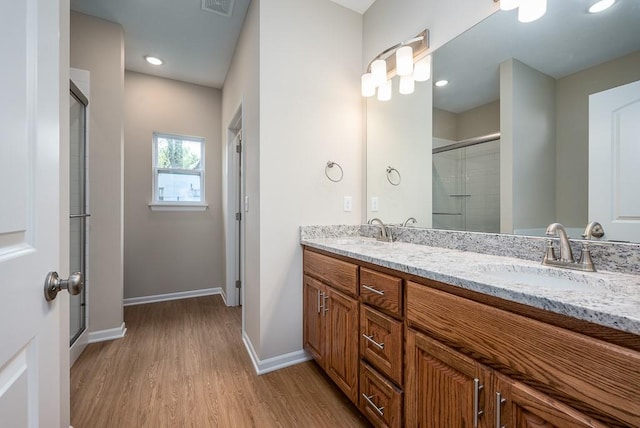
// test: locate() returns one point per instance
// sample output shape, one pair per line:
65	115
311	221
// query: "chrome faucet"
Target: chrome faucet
410	219
384	236
594	229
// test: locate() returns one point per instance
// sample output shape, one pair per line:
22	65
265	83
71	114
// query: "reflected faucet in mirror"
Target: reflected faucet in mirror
409	222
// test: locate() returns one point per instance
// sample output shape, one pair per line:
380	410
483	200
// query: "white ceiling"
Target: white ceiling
197	46
359	6
566	40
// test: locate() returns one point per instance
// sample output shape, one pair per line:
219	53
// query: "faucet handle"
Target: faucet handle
550	253
585	259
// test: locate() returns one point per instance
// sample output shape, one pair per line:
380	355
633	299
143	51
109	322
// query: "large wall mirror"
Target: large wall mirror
504	146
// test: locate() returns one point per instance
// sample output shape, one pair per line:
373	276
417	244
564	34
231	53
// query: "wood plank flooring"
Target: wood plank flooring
183	364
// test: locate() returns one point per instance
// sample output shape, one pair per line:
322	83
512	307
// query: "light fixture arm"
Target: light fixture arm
419	43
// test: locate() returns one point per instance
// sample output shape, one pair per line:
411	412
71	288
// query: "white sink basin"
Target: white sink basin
546	278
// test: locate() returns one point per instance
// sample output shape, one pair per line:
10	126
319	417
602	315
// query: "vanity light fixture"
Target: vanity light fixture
601	5
422	69
153	60
407	60
441	83
528	10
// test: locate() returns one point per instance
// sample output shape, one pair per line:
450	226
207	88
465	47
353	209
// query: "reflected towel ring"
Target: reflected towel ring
396	181
330	165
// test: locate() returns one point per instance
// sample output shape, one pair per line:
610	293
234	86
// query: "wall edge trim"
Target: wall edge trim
108	334
274	363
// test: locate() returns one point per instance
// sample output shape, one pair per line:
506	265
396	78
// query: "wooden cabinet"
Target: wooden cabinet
380	400
443	387
562	375
418	353
330	320
446	388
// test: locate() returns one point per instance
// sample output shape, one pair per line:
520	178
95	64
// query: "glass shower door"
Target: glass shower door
77	208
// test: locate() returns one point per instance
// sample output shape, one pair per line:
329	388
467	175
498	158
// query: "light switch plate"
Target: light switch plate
348	203
374	204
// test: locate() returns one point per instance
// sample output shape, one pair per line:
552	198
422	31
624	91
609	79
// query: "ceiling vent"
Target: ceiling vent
221	7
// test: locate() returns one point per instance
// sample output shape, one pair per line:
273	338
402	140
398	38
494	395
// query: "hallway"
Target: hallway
183	364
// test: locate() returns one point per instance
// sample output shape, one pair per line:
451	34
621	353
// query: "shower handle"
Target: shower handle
53	284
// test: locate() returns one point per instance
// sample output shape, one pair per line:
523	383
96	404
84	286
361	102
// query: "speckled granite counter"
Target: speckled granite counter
609	299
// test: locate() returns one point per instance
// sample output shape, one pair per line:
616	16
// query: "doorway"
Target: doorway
235	212
78	206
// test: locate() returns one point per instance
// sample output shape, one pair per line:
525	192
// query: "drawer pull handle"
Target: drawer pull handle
499	402
373	290
379	410
325	308
319	305
476	402
370	339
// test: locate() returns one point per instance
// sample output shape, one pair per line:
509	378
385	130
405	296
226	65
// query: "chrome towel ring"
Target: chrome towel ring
330	165
392	178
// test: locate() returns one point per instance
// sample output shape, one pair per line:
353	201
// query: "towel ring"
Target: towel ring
390	178
330	165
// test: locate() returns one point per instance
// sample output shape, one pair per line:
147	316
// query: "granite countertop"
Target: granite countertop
608	299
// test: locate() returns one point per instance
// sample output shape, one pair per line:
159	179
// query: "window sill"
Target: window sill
186	206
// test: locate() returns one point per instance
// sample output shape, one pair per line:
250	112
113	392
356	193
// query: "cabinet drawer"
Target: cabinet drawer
381	342
336	273
381	290
380	400
590	375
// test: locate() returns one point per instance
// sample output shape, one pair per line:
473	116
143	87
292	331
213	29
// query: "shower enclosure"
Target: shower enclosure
466	184
77	207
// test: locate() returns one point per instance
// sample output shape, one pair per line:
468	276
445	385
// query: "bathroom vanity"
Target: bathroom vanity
427	336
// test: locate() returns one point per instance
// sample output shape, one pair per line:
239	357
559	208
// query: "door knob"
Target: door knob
53	284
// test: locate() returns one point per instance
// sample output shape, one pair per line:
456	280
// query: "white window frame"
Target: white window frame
157	204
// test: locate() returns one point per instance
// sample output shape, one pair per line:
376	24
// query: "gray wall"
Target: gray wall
170	251
98	46
572	133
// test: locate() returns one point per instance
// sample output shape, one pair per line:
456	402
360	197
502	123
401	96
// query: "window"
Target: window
178	171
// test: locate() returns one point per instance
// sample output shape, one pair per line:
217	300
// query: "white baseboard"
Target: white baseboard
274	363
172	296
109	334
224	296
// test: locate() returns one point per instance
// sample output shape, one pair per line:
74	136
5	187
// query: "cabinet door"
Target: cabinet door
341	355
444	388
313	330
524	407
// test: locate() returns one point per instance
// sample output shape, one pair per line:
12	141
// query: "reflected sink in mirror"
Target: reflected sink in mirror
547	278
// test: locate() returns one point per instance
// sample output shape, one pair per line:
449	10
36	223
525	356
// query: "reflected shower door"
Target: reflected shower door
466	188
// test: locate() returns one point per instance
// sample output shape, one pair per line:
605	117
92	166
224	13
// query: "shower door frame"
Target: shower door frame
79	83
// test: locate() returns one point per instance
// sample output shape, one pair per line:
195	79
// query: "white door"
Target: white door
614	161
31	354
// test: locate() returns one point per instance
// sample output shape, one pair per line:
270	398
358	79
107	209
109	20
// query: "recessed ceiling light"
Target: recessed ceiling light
441	83
153	60
601	5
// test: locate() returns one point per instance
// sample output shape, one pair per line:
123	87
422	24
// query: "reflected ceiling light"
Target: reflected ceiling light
368	87
509	4
379	71
153	60
422	69
530	10
441	83
384	91
407	85
601	5
406	59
